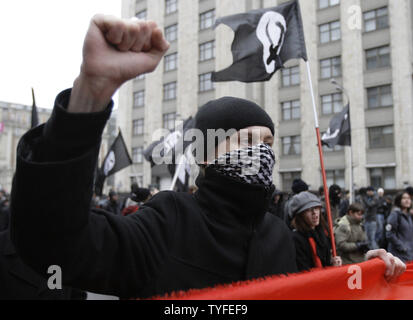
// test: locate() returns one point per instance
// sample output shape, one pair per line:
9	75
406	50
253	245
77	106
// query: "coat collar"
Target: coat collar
227	198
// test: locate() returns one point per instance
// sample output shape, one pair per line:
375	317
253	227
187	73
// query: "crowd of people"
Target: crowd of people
154	244
373	221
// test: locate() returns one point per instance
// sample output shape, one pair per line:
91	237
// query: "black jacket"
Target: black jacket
176	241
20	282
399	234
304	255
277	209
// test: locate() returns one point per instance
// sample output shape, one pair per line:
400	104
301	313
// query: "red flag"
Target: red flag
364	281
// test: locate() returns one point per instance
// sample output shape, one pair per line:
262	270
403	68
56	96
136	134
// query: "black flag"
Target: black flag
339	132
35	118
116	159
170	144
264	40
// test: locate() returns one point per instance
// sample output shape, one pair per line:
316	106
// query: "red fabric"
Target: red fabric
316	258
129	210
320	284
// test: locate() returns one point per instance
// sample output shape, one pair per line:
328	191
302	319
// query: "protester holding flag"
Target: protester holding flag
311	239
177	241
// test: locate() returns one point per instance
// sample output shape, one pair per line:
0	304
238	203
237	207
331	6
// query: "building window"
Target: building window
322	4
378	58
141	15
288	178
137	179
139	99
330	68
138	127
335	177
169	121
332	103
290	76
335	149
207	50
291	145
330	32
171	62
205	83
137	155
383	178
169	91
379	97
171	33
171	6
291	110
376	19
381	137
206	20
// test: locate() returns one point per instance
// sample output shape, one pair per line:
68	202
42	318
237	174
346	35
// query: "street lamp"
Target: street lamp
340	88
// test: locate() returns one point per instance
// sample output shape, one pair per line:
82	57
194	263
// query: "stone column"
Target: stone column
400	15
353	82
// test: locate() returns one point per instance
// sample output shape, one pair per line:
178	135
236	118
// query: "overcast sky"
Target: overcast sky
41	45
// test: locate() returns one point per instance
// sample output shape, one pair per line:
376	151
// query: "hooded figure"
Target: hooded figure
177	241
277	204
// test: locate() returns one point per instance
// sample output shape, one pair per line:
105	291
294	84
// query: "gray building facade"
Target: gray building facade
365	45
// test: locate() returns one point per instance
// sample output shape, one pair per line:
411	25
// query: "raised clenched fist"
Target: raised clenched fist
114	51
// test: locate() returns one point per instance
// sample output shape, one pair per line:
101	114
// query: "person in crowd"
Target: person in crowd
277	204
370	203
321	194
399	228
139	196
311	236
350	237
112	204
334	193
297	187
360	194
178	241
20	282
409	190
344	204
382	213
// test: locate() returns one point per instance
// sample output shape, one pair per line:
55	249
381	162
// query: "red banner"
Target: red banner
364	281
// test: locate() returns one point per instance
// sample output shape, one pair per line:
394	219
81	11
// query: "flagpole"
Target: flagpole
178	169
351	175
320	151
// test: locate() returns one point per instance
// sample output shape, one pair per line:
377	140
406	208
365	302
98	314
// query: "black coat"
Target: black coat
176	241
303	249
399	234
4	218
20	282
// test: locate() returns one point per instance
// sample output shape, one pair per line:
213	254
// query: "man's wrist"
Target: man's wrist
90	95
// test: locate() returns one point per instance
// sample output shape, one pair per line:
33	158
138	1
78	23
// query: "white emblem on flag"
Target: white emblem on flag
109	163
271	32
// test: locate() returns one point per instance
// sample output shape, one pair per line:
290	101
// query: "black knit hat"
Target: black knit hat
299	186
230	113
140	194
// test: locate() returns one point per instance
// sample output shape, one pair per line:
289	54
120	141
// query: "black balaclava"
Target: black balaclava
230	113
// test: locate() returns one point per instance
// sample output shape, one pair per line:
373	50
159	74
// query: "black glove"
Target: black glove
362	246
